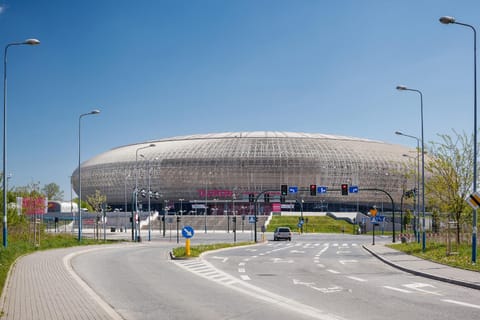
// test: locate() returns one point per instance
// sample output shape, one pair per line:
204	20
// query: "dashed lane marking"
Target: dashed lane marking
397	289
465	304
356	279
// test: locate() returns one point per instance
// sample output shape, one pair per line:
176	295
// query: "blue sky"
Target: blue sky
158	68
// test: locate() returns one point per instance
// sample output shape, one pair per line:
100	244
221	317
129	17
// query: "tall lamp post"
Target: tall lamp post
4	180
451	20
404	88
134	222
417	172
80	172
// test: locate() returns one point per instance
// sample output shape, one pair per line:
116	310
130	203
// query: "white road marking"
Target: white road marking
245	277
224	259
297	251
348	261
417	286
397	289
241	264
280	260
320	265
357	279
465	304
333	271
261	294
241	270
311	285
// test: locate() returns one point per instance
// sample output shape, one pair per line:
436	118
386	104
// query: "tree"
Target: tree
97	200
451	180
52	191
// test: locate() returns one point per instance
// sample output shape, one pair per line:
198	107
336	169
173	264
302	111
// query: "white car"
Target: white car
282	233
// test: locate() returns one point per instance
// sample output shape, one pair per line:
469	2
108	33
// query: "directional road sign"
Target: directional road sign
322	189
293	189
187	232
251	219
353	189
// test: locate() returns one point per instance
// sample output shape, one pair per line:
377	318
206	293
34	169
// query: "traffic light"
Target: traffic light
284	189
282	199
266	198
251	197
143	193
344	189
313	189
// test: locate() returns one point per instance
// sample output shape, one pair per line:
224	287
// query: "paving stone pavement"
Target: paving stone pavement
42	286
425	268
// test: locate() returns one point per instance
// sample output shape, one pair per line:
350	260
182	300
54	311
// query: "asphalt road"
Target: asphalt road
312	277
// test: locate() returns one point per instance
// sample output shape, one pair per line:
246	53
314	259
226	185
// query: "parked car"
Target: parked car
282	233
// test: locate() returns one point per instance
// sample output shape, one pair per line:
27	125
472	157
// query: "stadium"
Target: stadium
225	172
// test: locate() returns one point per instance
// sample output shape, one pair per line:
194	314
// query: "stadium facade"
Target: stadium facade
221	169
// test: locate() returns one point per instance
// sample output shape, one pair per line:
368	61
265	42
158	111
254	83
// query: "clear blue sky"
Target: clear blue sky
159	68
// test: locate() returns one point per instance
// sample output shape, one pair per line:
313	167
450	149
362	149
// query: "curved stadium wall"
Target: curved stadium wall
226	167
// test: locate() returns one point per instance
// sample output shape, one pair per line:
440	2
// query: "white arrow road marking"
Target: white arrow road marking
348	261
311	285
297	251
465	304
417	286
280	260
224	259
245	277
295	281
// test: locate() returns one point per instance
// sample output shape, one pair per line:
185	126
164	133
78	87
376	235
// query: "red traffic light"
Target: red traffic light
344	189
313	189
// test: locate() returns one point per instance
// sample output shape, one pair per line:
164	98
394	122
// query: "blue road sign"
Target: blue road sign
251	219
377	219
187	232
293	189
353	189
322	189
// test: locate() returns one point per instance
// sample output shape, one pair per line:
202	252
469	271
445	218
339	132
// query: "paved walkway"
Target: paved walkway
425	268
43	286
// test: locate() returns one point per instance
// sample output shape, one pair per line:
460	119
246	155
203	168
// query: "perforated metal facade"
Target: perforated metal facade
235	164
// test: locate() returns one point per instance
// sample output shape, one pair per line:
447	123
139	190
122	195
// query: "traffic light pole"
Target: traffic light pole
302	190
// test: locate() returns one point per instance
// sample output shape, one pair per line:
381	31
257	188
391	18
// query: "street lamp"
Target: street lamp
95	111
451	20
417	175
4	180
135	192
150	193
404	88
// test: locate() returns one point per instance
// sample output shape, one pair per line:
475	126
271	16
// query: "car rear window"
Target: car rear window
283	230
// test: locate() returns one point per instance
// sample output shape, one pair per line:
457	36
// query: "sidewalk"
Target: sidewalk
424	268
42	286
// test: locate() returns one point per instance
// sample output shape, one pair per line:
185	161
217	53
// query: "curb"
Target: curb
423	274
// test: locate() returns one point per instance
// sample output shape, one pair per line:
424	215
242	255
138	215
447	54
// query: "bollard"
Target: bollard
187	247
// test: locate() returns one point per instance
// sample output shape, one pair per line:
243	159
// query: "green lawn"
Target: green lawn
17	247
437	252
314	224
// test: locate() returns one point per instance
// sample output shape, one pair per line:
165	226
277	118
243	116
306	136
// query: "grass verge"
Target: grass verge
195	251
437	252
17	248
315	224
